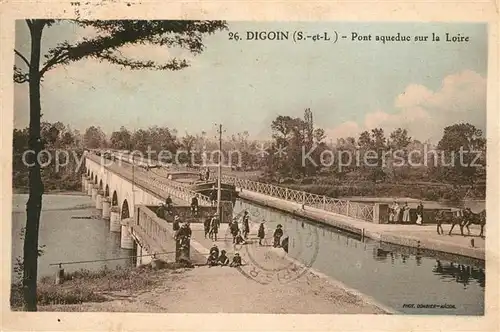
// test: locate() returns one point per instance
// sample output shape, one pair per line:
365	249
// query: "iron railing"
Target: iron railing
358	210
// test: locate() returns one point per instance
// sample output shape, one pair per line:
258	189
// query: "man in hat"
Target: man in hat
182	238
236	260
213	196
278	233
176	223
206	226
420	213
246	225
214	227
234	229
194	206
261	233
168	204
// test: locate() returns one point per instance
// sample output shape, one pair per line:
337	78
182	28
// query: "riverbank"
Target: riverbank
24	191
206	289
210	290
423	237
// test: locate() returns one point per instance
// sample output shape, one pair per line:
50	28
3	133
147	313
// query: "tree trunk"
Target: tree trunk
34	205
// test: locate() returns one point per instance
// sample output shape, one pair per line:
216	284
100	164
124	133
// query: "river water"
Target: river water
397	277
68	239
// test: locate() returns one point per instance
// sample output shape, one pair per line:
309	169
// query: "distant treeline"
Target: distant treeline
280	159
64	176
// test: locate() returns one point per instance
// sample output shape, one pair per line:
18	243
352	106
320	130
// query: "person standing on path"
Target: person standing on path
213	196
278	233
392	210
206	226
214	227
194	206
420	213
183	243
168	204
246	225
234	230
261	233
176	223
406	213
397	212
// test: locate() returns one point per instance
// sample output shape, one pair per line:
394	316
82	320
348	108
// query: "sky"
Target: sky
350	86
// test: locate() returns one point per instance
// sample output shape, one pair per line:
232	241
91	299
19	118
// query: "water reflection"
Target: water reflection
460	273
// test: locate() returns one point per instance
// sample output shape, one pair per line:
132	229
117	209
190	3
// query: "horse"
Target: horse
472	218
453	217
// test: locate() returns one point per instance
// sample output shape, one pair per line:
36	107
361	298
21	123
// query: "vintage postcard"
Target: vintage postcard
217	164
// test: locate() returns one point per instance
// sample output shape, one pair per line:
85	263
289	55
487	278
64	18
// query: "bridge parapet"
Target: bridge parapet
358	210
162	187
152	232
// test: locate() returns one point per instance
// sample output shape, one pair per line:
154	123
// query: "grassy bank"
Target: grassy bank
92	286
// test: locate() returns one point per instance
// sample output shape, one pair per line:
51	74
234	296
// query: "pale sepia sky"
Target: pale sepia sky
349	86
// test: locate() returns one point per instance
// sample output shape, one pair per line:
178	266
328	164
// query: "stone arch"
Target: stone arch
95	179
114	199
100	184
125	210
88	171
106	191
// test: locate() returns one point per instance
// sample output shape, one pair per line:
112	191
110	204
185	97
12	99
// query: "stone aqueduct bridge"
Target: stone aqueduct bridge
123	193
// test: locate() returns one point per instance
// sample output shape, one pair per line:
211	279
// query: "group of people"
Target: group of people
402	214
182	236
216	259
240	236
211	227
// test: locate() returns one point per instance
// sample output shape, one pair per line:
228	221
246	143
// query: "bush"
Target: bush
431	194
57	295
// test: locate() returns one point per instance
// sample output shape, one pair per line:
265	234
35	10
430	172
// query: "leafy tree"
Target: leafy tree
461	143
399	139
375	143
187	143
112	35
122	139
94	138
282	128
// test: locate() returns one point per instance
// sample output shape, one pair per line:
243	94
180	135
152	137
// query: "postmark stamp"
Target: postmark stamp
265	263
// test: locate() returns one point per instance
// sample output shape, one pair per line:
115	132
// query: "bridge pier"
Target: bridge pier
106	205
98	201
114	220
84	183
126	239
94	192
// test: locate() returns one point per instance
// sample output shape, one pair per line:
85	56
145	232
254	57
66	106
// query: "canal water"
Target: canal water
66	238
398	277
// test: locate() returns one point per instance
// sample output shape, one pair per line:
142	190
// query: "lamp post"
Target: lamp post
219	171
